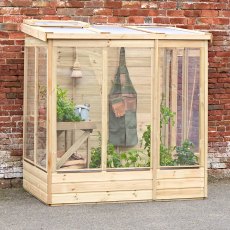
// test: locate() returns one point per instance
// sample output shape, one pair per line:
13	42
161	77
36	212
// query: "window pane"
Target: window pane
129	103
29	111
79	79
42	107
179	110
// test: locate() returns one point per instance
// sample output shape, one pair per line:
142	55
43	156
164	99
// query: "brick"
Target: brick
102	12
84	12
148	5
113	4
4	34
43	3
5	3
225	13
116	20
221	21
178	21
12	48
94	4
192	13
175	13
131	4
16	152
75	4
66	11
135	12
121	12
136	19
8	27
99	19
209	13
47	11
30	11
21	3
161	20
167	5
208	6
14	18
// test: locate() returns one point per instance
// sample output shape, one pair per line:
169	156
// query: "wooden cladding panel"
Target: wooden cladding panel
95	197
35	181
33	170
188	193
100	176
180	183
180	173
110	186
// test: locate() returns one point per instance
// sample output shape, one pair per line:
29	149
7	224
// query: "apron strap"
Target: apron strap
122	61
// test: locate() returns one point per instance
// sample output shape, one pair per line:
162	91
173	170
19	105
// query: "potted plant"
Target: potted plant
65	107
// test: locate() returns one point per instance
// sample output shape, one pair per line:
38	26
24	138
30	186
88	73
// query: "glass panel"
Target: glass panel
29	111
42	105
179	110
129	112
79	79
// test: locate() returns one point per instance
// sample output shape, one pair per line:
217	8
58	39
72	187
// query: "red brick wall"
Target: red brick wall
210	15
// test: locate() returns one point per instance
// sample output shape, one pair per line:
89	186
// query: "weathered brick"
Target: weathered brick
131	4
113	4
21	3
136	19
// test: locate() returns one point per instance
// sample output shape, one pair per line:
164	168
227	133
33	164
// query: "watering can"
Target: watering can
83	111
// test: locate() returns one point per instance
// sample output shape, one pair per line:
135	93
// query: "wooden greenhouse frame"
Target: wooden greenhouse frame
50	42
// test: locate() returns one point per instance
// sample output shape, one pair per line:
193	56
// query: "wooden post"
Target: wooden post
35	105
52	120
185	95
104	136
25	115
174	92
203	112
155	111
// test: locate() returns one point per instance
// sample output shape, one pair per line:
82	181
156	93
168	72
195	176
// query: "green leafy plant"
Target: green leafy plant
185	154
130	158
135	158
166	117
146	139
65	107
166	155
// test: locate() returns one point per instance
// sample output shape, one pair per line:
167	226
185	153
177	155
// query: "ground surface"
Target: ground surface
20	211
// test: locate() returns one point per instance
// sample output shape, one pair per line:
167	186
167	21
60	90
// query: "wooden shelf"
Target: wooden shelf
83	125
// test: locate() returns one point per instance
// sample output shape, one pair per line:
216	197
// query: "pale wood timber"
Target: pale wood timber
73	148
155	112
25	103
36	106
173	95
188	193
35	191
83	125
51	126
101	176
105	186
101	197
180	173
104	109
40	174
35	181
180	183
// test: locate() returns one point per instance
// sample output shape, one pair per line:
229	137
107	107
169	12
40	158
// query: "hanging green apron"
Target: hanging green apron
122	107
